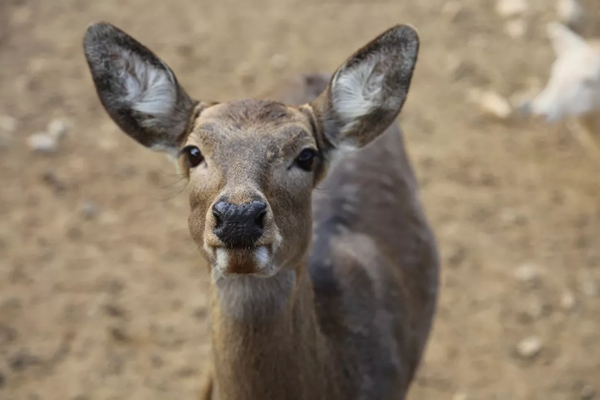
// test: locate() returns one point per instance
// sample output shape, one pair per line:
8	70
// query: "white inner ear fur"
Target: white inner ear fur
150	90
356	91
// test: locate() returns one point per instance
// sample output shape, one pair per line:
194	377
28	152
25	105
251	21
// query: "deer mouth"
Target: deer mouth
255	260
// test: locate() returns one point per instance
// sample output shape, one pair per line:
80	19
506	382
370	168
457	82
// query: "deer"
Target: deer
305	208
572	93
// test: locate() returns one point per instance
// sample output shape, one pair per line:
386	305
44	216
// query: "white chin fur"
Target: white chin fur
261	257
222	260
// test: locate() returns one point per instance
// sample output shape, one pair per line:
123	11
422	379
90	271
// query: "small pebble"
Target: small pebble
58	127
491	103
8	124
527	273
529	347
510	8
567	301
515	28
89	210
42	143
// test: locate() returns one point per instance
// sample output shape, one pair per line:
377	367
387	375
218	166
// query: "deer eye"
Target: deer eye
193	156
306	159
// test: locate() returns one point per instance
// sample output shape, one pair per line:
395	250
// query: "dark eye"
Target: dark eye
306	159
192	155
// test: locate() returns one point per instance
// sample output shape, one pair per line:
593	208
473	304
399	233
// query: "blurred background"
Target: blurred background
102	293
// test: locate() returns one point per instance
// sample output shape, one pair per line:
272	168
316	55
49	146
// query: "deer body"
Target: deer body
358	312
314	295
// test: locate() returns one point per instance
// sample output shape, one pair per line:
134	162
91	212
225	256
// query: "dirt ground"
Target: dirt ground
102	294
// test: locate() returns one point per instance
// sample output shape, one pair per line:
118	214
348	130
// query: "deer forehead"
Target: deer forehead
253	127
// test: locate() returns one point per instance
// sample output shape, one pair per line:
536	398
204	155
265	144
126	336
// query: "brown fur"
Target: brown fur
348	313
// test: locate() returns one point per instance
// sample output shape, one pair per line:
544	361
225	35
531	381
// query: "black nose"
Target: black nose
239	226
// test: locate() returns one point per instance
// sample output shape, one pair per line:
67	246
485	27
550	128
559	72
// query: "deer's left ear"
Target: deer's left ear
366	94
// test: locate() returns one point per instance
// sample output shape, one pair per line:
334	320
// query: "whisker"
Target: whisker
176	186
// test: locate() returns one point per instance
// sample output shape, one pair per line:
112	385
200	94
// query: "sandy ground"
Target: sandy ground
102	295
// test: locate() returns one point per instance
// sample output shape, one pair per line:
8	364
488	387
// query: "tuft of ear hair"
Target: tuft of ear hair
367	92
137	89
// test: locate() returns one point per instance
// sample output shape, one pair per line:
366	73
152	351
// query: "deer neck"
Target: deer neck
266	340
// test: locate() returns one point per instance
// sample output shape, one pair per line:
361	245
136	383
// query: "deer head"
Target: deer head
573	88
251	165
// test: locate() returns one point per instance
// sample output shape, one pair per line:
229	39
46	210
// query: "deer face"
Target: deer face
251	165
573	88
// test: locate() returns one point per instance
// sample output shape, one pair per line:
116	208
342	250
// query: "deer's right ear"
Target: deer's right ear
137	89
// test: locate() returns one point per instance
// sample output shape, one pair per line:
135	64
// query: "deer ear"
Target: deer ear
137	89
366	94
562	38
